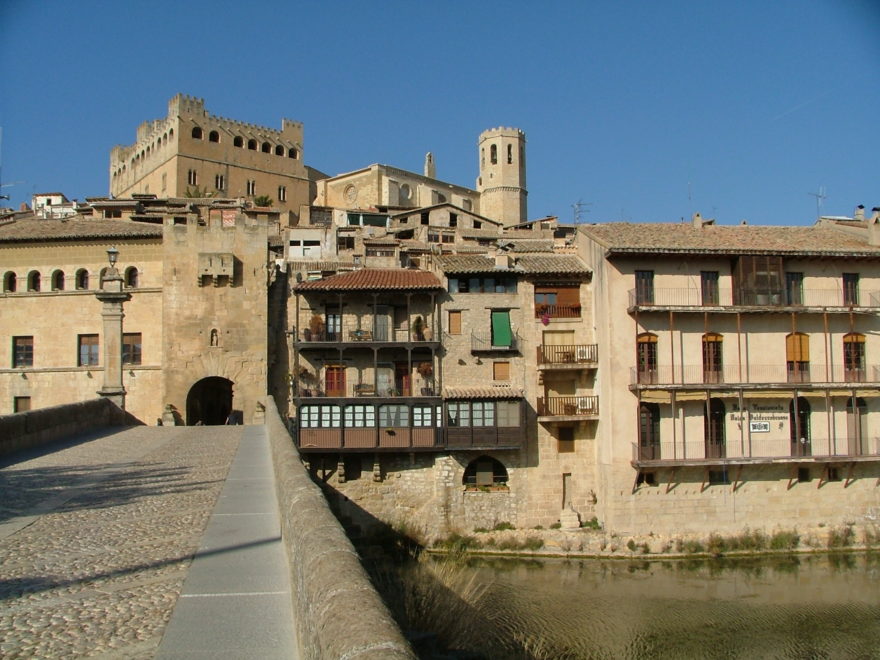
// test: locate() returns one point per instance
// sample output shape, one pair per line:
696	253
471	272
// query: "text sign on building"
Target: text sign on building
759	427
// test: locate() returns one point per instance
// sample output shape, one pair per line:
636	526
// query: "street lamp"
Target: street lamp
113	297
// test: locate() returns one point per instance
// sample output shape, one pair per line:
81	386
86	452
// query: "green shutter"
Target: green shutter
502	335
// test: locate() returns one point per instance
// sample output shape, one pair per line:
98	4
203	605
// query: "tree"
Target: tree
263	200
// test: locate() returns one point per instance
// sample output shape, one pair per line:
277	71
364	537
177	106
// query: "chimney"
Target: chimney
430	168
874	227
24	207
697	219
503	260
859	213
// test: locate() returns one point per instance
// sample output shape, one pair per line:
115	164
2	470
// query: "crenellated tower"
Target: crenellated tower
502	180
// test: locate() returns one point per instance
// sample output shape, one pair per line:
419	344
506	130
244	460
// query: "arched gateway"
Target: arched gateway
209	401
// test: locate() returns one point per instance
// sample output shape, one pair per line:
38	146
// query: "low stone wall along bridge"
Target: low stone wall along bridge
169	542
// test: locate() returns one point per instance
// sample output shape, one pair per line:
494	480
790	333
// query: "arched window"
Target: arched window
799	427
238	141
854	358
170	132
292	153
33	281
482	156
484	471
509	154
197	133
10	282
797	357
713	366
82	279
213	136
266	148
131	277
252	144
713	428
58	280
647	358
493	154
279	150
649	431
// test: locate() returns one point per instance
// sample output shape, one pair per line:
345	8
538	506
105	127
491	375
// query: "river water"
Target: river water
823	606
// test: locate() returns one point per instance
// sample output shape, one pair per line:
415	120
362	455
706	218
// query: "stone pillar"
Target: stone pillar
113	297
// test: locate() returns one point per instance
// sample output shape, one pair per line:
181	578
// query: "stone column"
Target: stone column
112	296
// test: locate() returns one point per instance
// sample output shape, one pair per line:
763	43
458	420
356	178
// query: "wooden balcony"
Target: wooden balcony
359	338
571	356
563	408
557	311
752	376
695	300
377	438
745	449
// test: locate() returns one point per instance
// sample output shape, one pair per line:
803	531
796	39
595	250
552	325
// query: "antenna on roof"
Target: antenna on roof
578	210
820	197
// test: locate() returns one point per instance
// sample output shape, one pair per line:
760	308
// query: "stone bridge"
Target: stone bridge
169	542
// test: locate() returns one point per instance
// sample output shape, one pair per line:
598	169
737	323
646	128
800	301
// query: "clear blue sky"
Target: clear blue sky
646	111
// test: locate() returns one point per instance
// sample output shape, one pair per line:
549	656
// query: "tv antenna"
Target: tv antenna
578	209
820	197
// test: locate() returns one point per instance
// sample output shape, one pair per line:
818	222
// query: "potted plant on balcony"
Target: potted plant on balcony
426	371
316	328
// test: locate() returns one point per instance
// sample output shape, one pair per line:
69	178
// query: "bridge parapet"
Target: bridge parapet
33	428
337	610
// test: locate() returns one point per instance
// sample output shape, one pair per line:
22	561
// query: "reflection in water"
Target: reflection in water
792	607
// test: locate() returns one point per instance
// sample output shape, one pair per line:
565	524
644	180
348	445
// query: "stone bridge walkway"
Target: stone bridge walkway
97	539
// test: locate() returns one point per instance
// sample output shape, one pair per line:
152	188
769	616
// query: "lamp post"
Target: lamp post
112	296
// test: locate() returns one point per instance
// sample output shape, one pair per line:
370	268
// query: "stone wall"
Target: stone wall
39	427
337	610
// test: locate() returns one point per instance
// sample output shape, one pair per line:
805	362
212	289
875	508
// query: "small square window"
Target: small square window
803	475
21	404
22	351
501	370
833	474
87	346
719	476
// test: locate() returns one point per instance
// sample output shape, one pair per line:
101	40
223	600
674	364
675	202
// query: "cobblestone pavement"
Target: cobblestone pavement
96	539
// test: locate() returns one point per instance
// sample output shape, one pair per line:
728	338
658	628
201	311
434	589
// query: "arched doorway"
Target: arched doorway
209	402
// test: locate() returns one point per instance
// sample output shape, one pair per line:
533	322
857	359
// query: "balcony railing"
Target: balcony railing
753	374
754	449
364	390
557	311
695	297
568	354
484	342
565	406
358	335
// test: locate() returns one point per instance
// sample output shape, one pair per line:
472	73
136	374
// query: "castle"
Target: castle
446	363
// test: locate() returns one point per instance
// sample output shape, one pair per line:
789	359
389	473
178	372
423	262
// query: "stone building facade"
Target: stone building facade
193	153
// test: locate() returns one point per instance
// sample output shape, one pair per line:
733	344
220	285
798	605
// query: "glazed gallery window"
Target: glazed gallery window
394	415
318	417
131	348
87	349
22	351
482	413
360	417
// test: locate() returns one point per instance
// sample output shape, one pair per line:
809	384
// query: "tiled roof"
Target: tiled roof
551	263
320	265
482	393
622	238
480	233
529	245
76	228
373	279
460	263
526	264
384	240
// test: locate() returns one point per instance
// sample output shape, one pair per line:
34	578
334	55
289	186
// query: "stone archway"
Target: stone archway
209	401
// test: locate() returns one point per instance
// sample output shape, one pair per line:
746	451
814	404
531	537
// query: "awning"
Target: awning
502	334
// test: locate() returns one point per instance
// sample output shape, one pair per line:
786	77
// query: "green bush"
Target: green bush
533	543
480	530
457	543
592	523
556	525
500	527
784	540
841	537
631	545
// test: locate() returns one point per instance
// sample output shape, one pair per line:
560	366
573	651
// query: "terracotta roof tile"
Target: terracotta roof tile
621	238
76	228
461	263
373	279
482	393
551	263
